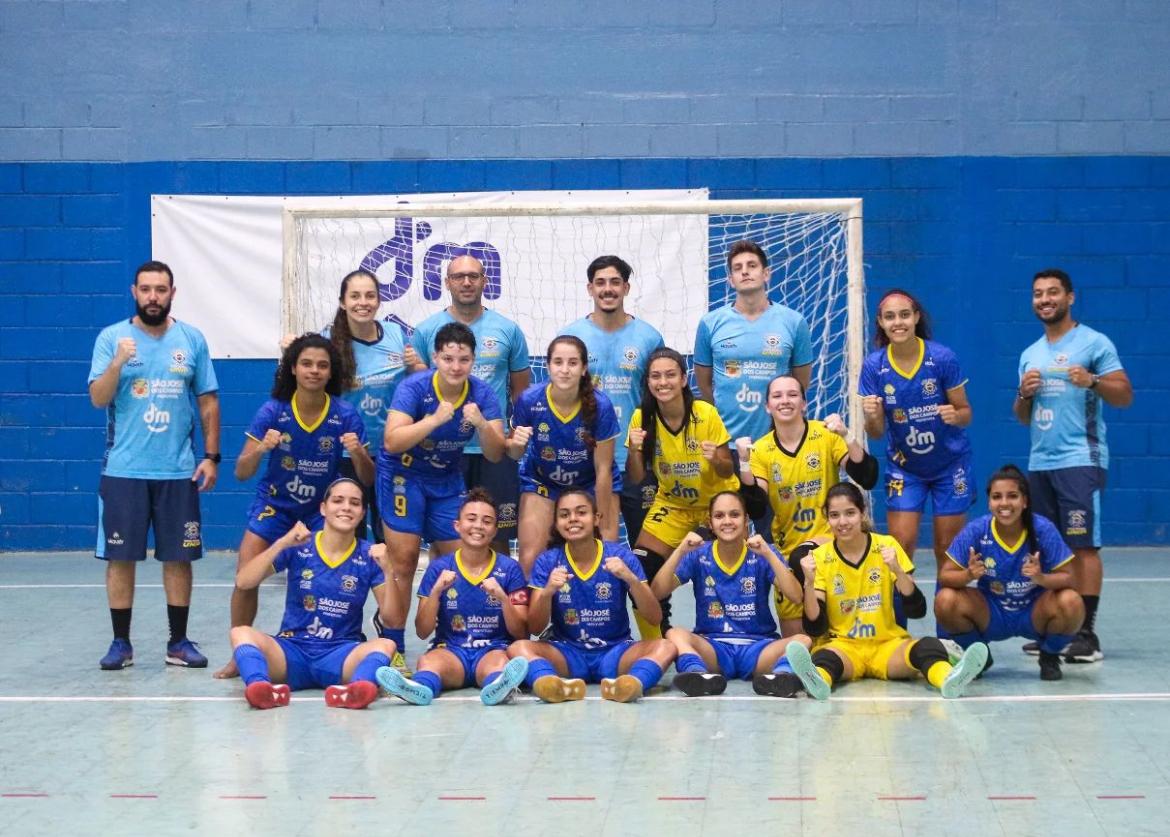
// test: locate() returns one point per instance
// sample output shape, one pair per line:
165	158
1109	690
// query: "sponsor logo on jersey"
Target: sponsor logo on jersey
772	345
457	623
157	421
731	368
920	441
452	593
115	539
191	534
140	388
838	585
603	591
309	602
1043	418
889	389
715	610
748	400
285	439
571	617
288	463
300	491
899	416
847	606
998	588
548	453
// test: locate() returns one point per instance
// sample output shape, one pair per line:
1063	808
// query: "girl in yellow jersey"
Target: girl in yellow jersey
849	597
684	443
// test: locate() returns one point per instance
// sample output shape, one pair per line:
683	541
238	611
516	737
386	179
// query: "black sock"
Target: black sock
177	618
1090	612
120	617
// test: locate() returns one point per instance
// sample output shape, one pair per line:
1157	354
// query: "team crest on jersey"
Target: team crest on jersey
747	585
899	416
838	586
458	624
847	606
929	387
548	454
812	461
490	347
715	610
772	344
465	426
309	602
731	367
1060	359
140	388
288	463
998	588
399	480
692	445
507	512
580	434
349	583
325	443
875	576
629	358
571	617
604	591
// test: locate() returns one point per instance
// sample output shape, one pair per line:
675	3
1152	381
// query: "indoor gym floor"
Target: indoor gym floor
154	749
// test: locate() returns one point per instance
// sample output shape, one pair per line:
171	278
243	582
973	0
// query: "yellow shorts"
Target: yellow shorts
786	609
670	524
870	658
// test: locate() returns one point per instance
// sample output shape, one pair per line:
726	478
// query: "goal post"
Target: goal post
535	255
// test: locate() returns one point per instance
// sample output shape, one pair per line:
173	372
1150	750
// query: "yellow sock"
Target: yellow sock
938	672
828	678
647	630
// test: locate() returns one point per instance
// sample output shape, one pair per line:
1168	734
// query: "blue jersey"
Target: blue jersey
500	349
617	362
150	424
557	454
437	457
468	617
301	467
1068	428
917	440
380	368
589	611
730	601
745	356
326	594
1003	579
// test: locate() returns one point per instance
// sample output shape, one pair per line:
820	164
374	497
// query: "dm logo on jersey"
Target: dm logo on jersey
604	591
157	421
309	602
571	617
580	434
140	388
465	426
812	462
929	387
731	367
348	583
747	585
325	443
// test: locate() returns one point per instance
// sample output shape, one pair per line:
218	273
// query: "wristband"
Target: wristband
216	458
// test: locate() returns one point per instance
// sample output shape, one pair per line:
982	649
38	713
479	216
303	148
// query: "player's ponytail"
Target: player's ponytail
339	331
1012	473
585	392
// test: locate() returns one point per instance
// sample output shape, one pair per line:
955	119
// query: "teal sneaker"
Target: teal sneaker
968	668
802	664
500	689
393	682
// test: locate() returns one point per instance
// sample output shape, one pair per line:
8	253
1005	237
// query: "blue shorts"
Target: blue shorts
1070	498
592	664
314	663
1005	624
128	508
738	659
470	657
530	485
271	522
950	492
502	480
414	506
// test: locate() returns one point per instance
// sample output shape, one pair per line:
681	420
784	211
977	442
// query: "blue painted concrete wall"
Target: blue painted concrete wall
987	137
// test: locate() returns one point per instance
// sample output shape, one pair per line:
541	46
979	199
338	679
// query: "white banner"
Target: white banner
226	254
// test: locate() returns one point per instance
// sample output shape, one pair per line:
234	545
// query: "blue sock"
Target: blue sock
782	666
252	664
966	639
537	669
648	673
1051	644
492	677
399	637
430	680
689	662
367	667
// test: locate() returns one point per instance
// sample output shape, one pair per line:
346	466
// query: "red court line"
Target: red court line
347	796
243	797
23	795
1123	796
682	799
901	799
572	798
792	799
133	796
462	798
1012	798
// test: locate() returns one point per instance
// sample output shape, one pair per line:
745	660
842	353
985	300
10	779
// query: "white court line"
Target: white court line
451	699
920	582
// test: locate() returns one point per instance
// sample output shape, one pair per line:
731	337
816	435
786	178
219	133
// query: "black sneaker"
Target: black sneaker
1032	648
1050	667
784	685
1086	648
700	683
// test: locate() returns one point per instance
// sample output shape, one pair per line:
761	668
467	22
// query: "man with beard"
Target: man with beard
144	373
1064	378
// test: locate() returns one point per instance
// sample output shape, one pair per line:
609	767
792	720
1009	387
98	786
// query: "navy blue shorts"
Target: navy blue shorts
1071	499
738	659
592	665
271	522
951	492
502	480
413	506
314	663
1005	624
128	508
470	657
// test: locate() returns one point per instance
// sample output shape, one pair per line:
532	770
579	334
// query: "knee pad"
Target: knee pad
651	561
830	662
926	652
794	559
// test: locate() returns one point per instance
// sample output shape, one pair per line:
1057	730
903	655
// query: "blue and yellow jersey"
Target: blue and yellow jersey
589	611
685	477
859	598
468	617
1003	561
557	454
326	593
798	481
302	465
731	599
